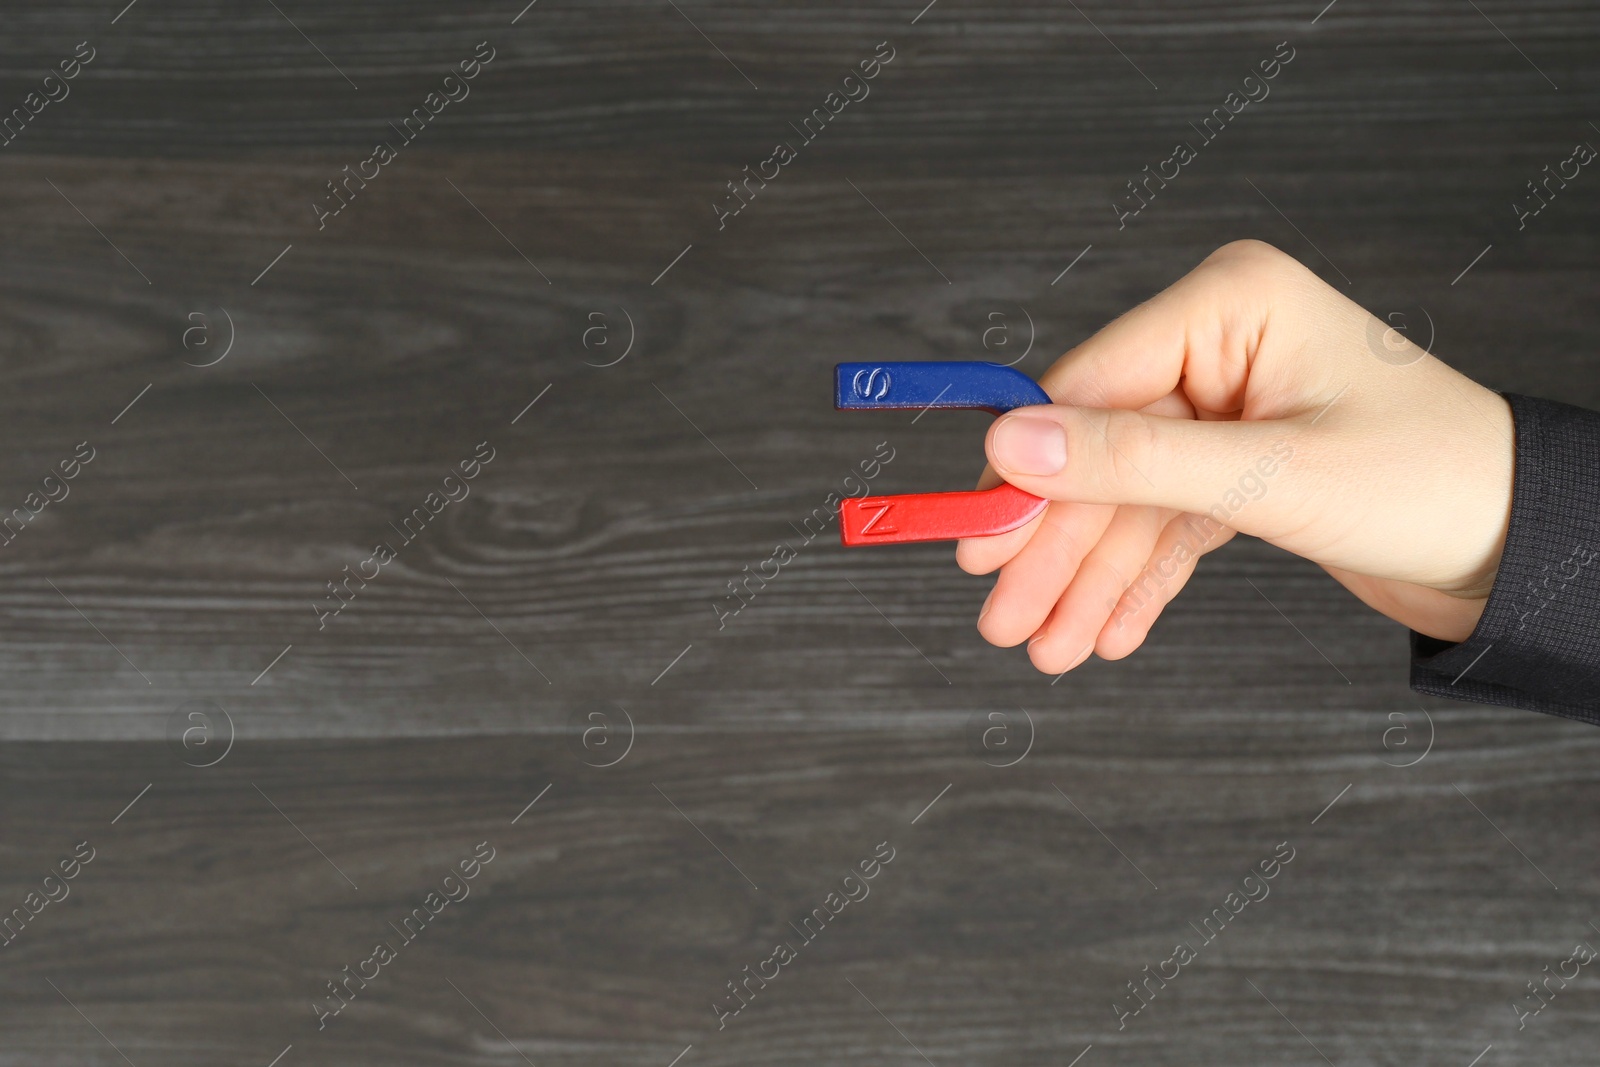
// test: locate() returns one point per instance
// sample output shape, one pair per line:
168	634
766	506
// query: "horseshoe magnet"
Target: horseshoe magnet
990	387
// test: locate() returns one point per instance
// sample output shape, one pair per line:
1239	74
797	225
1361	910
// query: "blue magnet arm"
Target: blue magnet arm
981	386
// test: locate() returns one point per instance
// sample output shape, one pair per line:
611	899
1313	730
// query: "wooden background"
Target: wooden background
505	654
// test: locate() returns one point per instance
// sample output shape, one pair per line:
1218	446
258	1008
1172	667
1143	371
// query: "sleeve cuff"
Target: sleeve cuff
1537	646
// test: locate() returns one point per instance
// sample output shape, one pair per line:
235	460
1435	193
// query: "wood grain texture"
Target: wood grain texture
579	576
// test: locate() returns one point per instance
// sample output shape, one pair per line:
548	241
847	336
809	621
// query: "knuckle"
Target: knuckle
1132	448
1067	547
1109	575
1256	263
1247	251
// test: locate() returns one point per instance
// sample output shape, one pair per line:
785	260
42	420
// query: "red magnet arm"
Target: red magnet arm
936	516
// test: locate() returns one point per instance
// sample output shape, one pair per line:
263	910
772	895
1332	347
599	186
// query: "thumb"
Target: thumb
1114	456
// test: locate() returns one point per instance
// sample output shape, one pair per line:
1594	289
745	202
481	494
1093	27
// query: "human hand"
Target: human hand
1248	397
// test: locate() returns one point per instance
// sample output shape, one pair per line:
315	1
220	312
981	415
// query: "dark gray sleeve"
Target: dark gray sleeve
1538	643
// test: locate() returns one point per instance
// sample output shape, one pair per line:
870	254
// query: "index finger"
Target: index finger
1200	333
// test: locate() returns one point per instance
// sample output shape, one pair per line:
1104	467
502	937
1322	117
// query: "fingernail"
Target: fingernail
1024	445
988	602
